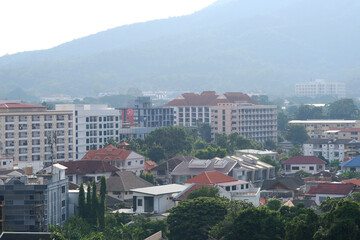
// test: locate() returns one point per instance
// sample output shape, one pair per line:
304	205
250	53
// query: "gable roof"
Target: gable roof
172	163
291	183
353	181
304	160
150	165
123	181
183	195
109	152
87	167
355	162
210	177
332	188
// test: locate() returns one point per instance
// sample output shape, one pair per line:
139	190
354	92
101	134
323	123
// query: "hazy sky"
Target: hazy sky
39	24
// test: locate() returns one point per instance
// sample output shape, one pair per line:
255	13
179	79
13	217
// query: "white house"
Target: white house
330	149
310	164
157	199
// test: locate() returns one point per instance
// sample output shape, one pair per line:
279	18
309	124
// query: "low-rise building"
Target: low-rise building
309	164
124	160
352	165
322	191
87	171
157	199
257	153
31	203
282	188
119	185
330	149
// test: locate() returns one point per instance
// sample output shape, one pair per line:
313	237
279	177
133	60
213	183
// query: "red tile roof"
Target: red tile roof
110	152
210	98
19	105
353	181
332	188
149	165
87	167
304	160
124	144
211	177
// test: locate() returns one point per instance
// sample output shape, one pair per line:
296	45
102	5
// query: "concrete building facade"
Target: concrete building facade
34	136
93	125
319	88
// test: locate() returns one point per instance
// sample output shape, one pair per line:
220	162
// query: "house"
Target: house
282	188
320	192
162	171
249	168
189	169
229	187
124	160
310	164
351	165
87	171
157	199
118	185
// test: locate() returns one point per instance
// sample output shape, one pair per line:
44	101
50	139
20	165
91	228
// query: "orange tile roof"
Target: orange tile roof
353	181
211	177
110	152
149	165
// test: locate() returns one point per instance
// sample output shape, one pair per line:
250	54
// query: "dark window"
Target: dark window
63	189
139	202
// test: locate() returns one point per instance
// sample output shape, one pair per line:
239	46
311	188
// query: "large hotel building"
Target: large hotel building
226	113
35	136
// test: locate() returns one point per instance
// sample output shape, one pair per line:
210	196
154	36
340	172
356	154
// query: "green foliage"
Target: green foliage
111	141
255	223
102	205
335	164
148	177
355	196
302	226
234	142
94	206
329	204
269	160
204	191
210	153
343	109
200	144
193	218
82	203
296	134
350	175
273	204
295	151
89	208
302	174
305	112
204	131
282	121
156	153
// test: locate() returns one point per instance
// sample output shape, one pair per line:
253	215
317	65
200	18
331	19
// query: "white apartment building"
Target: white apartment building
34	136
93	124
320	88
258	122
330	149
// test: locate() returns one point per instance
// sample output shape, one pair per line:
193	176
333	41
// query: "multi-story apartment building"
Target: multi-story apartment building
258	122
191	108
31	203
35	136
93	125
317	128
142	114
347	133
320	88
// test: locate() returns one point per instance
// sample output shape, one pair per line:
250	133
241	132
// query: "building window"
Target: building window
63	189
295	168
233	188
227	188
139	202
142	162
70	178
63	203
311	168
129	163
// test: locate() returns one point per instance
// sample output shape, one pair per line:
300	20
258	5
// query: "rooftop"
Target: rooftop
19	105
210	177
88	167
321	121
304	160
109	152
160	190
355	162
121	181
332	188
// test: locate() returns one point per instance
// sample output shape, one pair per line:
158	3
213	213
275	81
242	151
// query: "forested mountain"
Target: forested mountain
232	45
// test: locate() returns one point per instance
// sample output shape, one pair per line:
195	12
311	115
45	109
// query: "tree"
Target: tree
355	196
82	203
156	153
255	223
343	109
269	160
296	134
305	112
350	175
94	205
273	204
148	177
302	174
111	141
295	151
210	153
204	130
204	191
193	218
282	121
302	226
102	206
89	208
